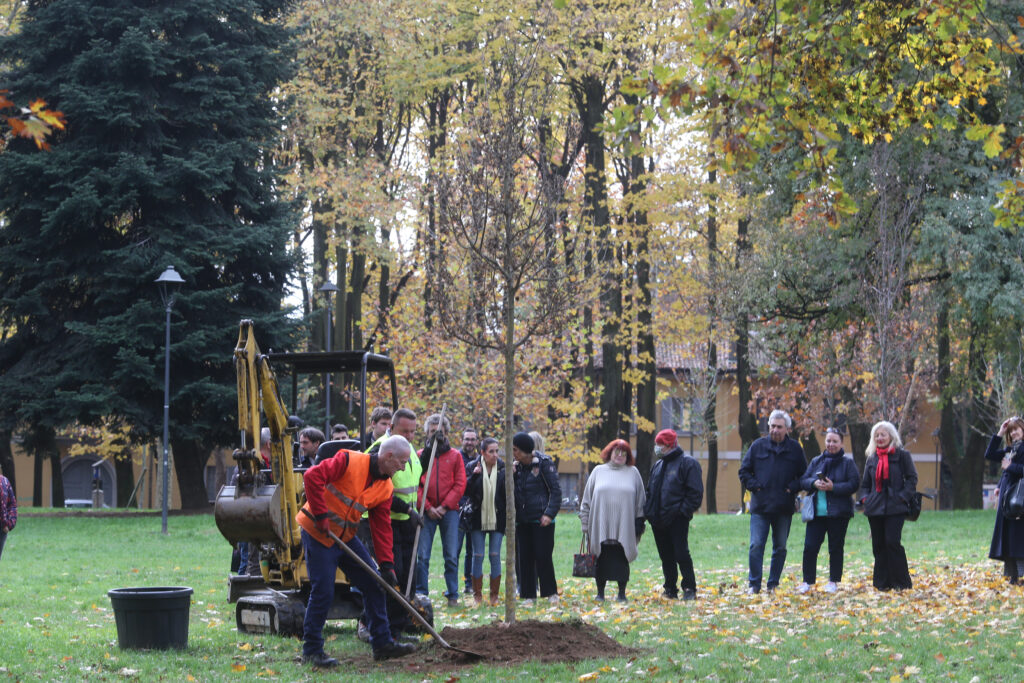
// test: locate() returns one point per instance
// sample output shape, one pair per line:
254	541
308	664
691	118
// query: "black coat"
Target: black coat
538	492
842	471
675	489
475	493
771	472
1008	535
896	491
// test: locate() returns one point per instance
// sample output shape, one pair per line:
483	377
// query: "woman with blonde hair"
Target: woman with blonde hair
1008	534
888	484
611	515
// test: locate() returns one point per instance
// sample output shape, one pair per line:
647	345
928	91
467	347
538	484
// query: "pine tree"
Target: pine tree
165	160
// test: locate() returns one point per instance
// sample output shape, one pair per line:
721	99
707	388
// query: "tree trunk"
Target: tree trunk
37	480
711	424
860	434
125	472
56	477
384	291
342	339
190	465
436	134
510	494
319	323
970	471
710	419
596	209
646	391
961	453
355	298
747	421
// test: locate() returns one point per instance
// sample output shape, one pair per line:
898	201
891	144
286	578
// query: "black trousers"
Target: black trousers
612	564
536	546
674	549
817	529
891	570
403	533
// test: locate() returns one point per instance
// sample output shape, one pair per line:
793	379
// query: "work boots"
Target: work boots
478	586
393	650
495	589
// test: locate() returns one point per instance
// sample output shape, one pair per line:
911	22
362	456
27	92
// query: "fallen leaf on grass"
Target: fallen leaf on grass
592	676
238	667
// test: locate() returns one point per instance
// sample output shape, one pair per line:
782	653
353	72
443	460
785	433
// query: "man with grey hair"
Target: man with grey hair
771	471
338	490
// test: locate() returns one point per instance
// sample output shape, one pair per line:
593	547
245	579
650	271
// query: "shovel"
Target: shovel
401	599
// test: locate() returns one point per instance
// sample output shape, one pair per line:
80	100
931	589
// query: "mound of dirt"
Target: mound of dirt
499	643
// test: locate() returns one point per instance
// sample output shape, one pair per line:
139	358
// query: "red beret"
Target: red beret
666	437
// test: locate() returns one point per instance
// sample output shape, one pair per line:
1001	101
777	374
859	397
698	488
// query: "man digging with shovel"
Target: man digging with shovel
338	490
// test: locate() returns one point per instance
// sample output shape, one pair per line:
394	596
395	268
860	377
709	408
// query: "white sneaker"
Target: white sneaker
803	588
553	598
831	587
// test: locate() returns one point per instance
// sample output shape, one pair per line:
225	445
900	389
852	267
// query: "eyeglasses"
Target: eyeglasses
833	430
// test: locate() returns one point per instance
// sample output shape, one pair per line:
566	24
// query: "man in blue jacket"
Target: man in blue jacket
771	471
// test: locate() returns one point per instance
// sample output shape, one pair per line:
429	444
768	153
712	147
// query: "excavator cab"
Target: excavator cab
259	508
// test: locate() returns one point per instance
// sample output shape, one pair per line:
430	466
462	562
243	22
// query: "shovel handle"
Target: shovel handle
390	589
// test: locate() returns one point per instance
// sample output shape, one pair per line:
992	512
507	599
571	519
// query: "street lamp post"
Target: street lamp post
329	288
168	282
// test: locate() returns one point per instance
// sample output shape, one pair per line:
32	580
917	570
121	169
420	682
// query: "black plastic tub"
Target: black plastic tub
151	618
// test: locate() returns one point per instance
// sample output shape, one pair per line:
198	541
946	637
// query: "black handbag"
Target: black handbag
914	506
1013	504
466	515
584	563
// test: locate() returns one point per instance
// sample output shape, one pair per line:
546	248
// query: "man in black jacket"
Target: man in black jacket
674	492
771	471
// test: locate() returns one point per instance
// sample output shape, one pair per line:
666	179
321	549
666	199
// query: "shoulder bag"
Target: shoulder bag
584	563
807	508
1013	505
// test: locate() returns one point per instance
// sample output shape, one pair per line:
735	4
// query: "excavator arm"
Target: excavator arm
261	509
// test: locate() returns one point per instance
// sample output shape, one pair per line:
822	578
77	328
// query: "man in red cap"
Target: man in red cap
674	493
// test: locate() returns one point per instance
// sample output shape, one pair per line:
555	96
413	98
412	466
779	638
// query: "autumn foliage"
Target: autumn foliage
35	122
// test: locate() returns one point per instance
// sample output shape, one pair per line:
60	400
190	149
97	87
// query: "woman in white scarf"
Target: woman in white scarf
486	490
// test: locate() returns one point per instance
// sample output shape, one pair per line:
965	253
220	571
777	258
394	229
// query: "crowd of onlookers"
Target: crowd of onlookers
460	493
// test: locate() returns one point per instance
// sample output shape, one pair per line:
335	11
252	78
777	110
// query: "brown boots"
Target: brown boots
478	586
495	590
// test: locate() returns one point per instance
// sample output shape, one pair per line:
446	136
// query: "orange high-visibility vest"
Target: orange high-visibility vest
347	499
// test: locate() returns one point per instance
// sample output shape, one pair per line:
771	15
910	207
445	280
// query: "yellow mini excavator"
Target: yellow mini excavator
260	507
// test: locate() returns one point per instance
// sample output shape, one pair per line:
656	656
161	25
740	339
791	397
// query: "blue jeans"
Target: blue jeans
494	539
321	563
759	525
467	566
449	546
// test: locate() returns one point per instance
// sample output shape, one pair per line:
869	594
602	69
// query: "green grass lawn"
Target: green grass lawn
961	621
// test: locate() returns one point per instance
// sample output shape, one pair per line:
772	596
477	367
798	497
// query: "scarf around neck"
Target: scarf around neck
882	469
488	515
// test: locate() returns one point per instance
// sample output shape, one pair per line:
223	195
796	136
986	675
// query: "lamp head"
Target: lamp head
169	282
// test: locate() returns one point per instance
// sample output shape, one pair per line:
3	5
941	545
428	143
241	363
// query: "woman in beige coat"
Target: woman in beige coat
612	515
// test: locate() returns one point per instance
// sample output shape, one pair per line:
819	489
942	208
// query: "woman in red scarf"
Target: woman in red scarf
889	481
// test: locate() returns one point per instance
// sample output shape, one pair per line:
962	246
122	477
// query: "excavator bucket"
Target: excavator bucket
251	518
